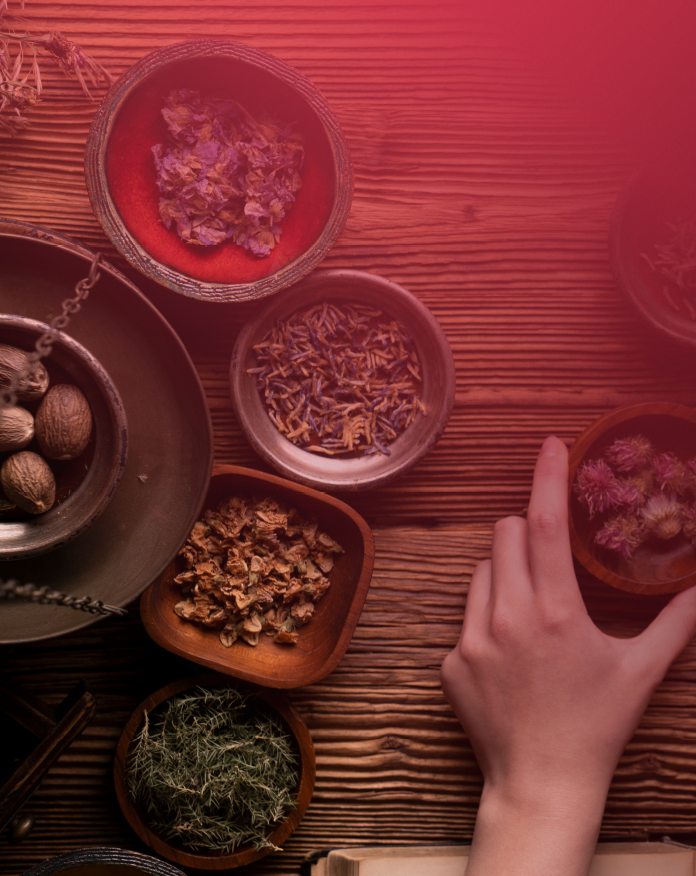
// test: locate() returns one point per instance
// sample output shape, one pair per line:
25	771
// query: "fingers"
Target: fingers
478	597
510	576
666	637
550	556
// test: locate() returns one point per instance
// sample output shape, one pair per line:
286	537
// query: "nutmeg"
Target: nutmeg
63	422
12	360
16	428
28	482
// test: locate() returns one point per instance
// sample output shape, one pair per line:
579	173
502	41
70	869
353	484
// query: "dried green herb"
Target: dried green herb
213	770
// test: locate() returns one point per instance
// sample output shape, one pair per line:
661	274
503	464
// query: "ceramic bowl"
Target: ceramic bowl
656	566
81	495
322	642
245	854
436	393
653	201
103	862
121	175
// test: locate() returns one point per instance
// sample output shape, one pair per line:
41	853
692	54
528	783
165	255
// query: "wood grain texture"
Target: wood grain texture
483	190
392	761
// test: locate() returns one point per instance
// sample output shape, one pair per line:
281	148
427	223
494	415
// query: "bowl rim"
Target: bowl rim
247	854
623	267
150	596
577	453
102	855
289	463
118	427
108	216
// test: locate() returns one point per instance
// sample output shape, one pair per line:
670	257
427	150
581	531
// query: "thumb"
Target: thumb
667	635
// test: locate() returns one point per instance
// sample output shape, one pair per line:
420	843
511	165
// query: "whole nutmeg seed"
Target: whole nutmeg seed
28	482
63	422
16	428
12	360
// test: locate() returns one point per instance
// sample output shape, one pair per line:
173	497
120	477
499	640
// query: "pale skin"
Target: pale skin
547	700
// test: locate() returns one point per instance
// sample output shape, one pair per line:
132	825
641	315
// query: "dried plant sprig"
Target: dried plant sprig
662	514
597	486
630	454
21	83
214	770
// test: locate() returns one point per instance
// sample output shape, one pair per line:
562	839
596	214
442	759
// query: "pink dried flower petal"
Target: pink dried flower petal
630	454
629	495
663	514
670	472
689	522
643	481
597	486
623	534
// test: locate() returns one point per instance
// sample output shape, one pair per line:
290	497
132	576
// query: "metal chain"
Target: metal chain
44	343
46	596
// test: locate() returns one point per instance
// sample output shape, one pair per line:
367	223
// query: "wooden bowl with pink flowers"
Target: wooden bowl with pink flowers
632	498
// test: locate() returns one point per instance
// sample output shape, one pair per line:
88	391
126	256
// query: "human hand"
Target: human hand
548	700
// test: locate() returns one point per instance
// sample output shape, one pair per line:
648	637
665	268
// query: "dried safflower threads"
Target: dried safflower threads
653	499
339	380
254	565
213	769
223	174
675	262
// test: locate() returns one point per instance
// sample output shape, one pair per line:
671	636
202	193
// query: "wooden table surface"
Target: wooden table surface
483	191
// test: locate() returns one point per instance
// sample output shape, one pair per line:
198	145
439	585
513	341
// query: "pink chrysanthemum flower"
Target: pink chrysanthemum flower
623	534
643	481
662	514
597	486
690	469
689	522
629	495
630	454
670	472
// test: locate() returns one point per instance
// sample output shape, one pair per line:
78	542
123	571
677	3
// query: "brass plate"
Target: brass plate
170	433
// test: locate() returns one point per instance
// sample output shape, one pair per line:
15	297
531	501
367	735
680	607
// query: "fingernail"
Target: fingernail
551	447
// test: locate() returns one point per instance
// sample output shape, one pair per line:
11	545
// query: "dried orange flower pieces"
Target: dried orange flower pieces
254	565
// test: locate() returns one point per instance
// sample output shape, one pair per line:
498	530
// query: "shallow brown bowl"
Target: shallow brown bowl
322	642
666	567
103	862
437	389
245	854
663	192
81	495
121	175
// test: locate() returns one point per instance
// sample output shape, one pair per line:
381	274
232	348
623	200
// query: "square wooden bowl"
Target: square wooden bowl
322	642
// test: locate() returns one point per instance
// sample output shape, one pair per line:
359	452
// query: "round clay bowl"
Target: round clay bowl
657	566
663	192
86	485
436	392
245	854
121	175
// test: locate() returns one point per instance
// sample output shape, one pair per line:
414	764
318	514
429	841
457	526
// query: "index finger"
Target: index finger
550	556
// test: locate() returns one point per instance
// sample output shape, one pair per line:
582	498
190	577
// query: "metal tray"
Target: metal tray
171	440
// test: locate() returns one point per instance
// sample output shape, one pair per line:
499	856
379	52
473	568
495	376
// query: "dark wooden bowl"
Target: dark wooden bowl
103	862
338	473
322	642
121	176
86	485
666	567
246	854
664	191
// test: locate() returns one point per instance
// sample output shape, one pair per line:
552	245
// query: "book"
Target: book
610	859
